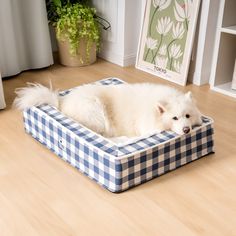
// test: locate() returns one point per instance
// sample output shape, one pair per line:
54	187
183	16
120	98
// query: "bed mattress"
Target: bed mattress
116	166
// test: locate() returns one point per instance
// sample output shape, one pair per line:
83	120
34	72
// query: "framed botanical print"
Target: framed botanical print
167	37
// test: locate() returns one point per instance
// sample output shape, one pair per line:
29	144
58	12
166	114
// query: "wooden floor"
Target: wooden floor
42	195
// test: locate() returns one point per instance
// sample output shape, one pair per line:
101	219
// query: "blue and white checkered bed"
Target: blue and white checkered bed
116	167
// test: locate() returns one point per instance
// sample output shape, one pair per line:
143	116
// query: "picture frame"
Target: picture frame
167	37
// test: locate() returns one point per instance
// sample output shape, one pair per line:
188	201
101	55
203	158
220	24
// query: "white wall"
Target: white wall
112	46
132	28
119	44
202	56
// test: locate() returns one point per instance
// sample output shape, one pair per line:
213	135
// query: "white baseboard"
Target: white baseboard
118	59
201	78
129	60
111	57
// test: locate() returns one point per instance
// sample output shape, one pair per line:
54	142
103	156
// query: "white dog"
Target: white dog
119	110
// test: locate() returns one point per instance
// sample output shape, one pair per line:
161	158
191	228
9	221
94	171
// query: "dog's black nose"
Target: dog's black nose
186	130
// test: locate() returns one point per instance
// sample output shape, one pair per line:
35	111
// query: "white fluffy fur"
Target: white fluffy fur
119	110
34	95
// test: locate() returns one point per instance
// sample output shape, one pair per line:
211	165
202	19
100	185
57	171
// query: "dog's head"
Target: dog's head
180	114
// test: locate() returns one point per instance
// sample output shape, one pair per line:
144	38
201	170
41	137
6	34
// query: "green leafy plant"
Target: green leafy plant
74	21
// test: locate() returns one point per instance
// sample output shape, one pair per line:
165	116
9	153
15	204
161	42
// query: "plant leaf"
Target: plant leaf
57	3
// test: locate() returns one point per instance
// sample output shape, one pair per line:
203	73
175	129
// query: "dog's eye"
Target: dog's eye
187	116
175	118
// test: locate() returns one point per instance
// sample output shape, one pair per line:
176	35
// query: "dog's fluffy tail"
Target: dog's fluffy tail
34	95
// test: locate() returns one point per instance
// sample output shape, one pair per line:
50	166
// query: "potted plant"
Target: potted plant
77	31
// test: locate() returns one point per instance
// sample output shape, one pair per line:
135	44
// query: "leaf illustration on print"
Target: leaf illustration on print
177	34
178	30
161	62
151	44
183	12
175	53
164	25
177	66
163	50
159	5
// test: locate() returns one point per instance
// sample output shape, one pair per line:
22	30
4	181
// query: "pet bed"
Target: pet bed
116	166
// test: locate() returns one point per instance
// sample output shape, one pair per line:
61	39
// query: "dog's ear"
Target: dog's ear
160	107
188	95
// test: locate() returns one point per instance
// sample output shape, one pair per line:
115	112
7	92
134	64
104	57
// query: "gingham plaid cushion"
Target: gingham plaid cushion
116	167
